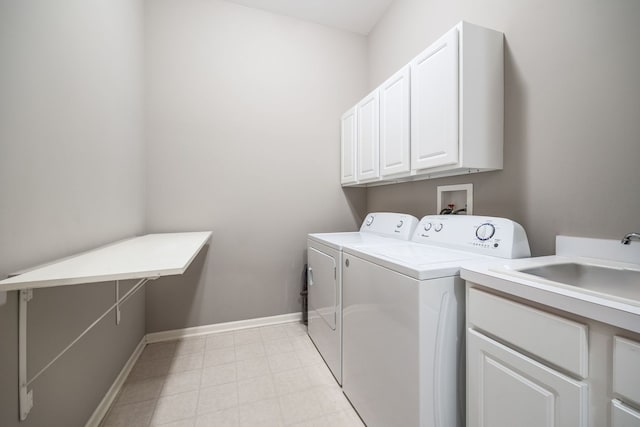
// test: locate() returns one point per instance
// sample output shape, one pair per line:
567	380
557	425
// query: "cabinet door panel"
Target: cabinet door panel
368	138
626	375
434	104
348	152
506	388
623	416
394	124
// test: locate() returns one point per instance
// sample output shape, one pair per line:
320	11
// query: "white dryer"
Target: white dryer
324	277
403	308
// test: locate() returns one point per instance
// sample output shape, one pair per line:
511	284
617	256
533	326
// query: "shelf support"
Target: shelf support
26	396
117	302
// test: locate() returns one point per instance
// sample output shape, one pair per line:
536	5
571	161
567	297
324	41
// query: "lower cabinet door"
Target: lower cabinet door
506	389
623	416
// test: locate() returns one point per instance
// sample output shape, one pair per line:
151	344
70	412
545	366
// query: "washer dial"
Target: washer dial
428	226
485	231
369	220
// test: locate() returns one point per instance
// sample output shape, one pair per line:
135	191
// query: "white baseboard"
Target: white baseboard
112	393
223	327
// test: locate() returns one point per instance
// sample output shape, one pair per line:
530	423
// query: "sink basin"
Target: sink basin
615	282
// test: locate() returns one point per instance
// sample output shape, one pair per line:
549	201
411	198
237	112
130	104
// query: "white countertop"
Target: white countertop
149	256
505	277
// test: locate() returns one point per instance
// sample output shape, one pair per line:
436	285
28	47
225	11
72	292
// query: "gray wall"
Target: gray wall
572	112
243	139
71	178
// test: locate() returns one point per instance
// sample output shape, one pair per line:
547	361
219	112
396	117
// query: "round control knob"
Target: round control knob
428	226
369	220
485	231
438	227
400	224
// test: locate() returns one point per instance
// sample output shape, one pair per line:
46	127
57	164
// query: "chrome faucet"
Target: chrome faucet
629	237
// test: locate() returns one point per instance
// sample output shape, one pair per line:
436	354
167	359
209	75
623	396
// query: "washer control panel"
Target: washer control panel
500	237
389	224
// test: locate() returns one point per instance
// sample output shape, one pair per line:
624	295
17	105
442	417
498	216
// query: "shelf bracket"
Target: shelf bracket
26	397
117	302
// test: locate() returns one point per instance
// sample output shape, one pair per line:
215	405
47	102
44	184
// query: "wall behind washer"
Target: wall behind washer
71	178
572	109
243	112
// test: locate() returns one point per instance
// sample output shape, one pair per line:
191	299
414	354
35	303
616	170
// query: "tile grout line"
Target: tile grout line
289	336
235	357
277	396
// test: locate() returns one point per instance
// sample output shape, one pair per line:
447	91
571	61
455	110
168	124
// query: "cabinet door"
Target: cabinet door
434	104
506	389
623	415
348	150
394	124
368	138
626	375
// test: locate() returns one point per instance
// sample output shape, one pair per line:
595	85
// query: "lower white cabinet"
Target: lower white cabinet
623	416
506	389
533	365
626	369
626	383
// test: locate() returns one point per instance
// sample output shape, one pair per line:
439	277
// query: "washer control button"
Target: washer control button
400	224
369	220
438	227
428	226
485	231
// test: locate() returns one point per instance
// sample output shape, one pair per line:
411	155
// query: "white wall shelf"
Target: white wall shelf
149	256
141	258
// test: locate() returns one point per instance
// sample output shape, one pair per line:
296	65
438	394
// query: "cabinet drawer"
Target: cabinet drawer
623	416
557	340
626	369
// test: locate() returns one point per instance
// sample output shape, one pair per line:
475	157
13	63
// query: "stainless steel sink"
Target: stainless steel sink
616	282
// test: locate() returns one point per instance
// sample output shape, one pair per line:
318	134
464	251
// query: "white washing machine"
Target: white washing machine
403	308
324	277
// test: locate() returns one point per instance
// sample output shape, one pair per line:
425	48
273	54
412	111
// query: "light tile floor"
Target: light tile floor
269	376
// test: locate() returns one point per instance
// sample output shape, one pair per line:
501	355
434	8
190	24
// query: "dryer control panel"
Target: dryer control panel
500	237
389	224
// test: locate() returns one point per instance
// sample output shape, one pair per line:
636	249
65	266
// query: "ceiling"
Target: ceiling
358	16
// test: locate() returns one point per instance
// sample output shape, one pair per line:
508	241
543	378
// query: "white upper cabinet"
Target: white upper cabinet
348	150
394	124
441	115
368	165
457	112
434	104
